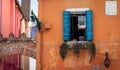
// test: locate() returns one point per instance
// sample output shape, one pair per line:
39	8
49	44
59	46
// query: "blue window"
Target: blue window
77	26
66	21
89	25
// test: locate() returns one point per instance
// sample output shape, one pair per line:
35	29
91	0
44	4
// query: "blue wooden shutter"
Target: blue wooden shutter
89	25
66	25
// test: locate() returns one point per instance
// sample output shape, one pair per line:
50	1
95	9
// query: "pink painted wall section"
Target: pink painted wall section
11	14
13	17
10	64
10	18
17	22
9	23
0	14
5	18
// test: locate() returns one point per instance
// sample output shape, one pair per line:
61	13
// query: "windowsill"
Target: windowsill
83	41
79	41
82	44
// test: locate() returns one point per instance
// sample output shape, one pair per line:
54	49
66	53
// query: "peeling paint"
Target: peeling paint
54	57
28	49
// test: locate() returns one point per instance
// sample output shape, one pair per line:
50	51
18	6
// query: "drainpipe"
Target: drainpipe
39	50
39	54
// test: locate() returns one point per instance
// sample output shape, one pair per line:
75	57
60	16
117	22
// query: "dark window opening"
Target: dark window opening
76	33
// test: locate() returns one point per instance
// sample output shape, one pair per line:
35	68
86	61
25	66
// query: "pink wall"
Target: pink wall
10	18
9	23
17	22
5	18
0	14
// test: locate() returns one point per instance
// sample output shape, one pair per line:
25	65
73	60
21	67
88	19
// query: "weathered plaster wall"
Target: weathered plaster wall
106	34
22	48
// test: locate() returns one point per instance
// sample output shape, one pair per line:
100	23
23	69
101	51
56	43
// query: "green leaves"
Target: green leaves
63	50
91	49
37	21
75	47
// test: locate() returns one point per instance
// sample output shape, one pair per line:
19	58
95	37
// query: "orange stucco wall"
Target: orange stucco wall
106	34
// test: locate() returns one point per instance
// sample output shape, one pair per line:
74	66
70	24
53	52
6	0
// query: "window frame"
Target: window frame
81	11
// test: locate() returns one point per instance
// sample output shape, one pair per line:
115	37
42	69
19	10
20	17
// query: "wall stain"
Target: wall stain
54	57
